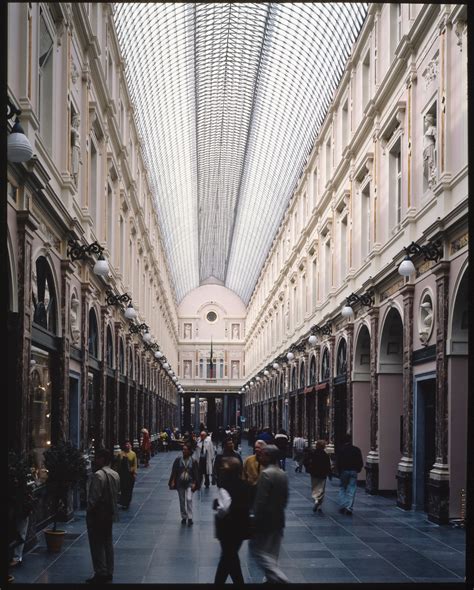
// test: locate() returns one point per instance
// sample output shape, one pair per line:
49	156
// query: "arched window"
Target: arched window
325	366
312	371
341	364
44	296
110	348
93	345
281	385
302	379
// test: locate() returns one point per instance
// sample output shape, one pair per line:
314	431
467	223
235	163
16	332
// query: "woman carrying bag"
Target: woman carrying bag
232	519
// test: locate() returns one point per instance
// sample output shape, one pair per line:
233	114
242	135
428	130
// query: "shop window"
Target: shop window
341	364
40	408
44	296
312	371
302	380
110	348
121	358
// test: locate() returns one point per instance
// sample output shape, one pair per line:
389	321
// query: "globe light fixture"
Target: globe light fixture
130	313
166	366
266	373
312	340
158	354
146	337
257	378
290	356
276	366
252	383
406	267
101	267
347	311
18	145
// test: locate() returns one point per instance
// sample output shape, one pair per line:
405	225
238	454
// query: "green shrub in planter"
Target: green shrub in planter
66	467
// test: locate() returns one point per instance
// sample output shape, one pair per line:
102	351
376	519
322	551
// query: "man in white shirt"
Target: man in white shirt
204	455
299	445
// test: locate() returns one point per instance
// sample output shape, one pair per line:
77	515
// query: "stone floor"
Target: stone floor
379	543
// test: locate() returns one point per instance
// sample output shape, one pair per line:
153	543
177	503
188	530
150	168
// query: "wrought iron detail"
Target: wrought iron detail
137	328
432	251
112	299
366	299
153	346
77	251
326	329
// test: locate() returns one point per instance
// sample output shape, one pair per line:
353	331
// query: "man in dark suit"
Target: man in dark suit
269	508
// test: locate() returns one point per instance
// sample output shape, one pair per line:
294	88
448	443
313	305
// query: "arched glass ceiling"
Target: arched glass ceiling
229	100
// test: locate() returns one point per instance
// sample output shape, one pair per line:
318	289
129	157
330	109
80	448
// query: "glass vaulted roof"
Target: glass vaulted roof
229	99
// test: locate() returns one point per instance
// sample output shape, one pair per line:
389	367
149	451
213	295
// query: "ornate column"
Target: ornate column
27	225
115	406
405	466
372	464
438	486
127	403
103	437
349	363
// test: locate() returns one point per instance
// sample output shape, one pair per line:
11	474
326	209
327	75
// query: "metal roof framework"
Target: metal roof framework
229	99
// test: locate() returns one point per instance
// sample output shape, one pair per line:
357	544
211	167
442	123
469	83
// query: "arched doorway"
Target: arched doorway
390	387
93	384
457	394
110	435
361	393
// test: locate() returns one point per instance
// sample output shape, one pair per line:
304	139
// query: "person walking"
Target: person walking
101	514
266	435
252	468
281	441
269	510
185	479
227	451
204	455
349	463
232	507
299	445
145	447
126	466
318	465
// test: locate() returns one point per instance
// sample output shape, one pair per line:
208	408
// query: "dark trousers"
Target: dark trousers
127	482
101	546
203	473
229	563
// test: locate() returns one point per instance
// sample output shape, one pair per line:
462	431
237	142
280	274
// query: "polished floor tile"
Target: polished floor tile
380	543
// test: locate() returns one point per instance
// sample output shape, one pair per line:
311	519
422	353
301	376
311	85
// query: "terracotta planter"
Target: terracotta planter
54	540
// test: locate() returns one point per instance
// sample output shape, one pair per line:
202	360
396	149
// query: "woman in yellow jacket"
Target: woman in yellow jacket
126	467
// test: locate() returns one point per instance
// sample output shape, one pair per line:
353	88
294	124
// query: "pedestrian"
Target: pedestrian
126	466
227	451
281	441
145	447
185	479
101	513
269	511
232	507
252	468
349	463
266	435
318	465
204	455
299	445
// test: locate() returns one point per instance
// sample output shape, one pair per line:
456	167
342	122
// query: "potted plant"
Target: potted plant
66	467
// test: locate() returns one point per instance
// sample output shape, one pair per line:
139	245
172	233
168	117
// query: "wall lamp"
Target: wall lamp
18	145
366	299
326	330
137	328
130	313
77	251
432	251
151	346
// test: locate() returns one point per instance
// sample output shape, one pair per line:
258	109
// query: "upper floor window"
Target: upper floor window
45	83
44	296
